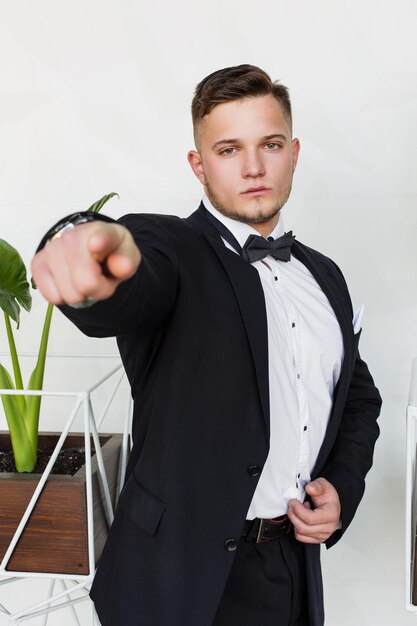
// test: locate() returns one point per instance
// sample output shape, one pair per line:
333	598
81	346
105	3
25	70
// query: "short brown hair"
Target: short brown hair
235	83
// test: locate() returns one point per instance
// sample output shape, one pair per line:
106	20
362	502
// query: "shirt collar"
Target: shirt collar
238	229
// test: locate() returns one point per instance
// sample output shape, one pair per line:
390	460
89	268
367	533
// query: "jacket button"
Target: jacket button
231	544
254	470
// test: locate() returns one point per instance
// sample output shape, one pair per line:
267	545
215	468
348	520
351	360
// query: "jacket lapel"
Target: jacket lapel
250	297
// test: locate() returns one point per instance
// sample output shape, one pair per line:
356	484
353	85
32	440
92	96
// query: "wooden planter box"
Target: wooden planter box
55	537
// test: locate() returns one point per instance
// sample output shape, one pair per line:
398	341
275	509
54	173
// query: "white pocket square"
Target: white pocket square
357	319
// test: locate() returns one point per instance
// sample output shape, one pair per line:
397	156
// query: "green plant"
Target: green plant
22	411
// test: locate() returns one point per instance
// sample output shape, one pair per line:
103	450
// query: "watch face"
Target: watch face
63	229
66	224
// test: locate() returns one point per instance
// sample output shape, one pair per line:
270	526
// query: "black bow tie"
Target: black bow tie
256	247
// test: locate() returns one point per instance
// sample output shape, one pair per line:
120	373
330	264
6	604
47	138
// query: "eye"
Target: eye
228	151
271	145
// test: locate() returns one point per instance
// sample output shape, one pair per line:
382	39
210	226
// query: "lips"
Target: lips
256	190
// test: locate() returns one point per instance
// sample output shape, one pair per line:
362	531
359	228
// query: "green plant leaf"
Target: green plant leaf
97	206
18	382
33	403
24	450
14	286
12	410
14	416
6	381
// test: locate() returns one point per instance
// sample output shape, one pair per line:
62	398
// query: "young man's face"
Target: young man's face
246	160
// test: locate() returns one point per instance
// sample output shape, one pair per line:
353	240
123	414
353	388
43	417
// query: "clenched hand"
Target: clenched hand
317	524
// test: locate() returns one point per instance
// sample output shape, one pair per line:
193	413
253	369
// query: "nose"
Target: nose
253	165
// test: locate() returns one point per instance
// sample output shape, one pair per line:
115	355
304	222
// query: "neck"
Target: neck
266	229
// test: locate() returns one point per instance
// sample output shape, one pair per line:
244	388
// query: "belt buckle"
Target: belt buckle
260	530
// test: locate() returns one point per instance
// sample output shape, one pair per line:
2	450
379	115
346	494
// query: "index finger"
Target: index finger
116	246
103	239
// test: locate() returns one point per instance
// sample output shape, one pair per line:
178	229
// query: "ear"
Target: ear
295	152
194	159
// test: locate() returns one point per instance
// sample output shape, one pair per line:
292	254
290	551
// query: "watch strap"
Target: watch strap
70	221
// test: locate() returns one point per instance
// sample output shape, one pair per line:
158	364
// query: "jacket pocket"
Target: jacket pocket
142	506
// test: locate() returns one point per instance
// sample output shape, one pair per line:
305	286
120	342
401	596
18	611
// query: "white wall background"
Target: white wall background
95	97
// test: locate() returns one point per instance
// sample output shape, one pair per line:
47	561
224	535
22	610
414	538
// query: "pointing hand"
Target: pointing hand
89	261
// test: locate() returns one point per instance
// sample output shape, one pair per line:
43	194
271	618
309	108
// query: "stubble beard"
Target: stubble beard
261	216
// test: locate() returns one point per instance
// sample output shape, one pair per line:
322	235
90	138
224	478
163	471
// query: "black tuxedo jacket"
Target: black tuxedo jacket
192	332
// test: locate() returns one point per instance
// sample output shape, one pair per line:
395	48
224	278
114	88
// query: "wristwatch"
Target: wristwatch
68	223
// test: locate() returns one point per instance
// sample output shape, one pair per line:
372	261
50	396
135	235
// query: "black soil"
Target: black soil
69	461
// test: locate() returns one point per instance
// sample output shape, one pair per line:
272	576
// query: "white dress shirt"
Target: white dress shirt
305	352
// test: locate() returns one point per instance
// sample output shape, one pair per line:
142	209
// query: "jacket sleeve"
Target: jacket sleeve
351	456
141	303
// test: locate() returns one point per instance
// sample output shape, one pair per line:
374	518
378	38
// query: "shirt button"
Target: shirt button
254	470
231	545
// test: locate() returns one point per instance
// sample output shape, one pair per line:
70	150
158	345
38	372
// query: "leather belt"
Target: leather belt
261	530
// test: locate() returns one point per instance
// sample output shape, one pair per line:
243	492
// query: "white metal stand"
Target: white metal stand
65	591
411	488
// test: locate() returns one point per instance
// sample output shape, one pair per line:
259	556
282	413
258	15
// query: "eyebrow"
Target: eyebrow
276	136
223	142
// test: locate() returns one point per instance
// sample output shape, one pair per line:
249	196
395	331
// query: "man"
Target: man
255	417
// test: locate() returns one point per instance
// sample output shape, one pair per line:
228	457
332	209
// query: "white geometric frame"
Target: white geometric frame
411	488
71	584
